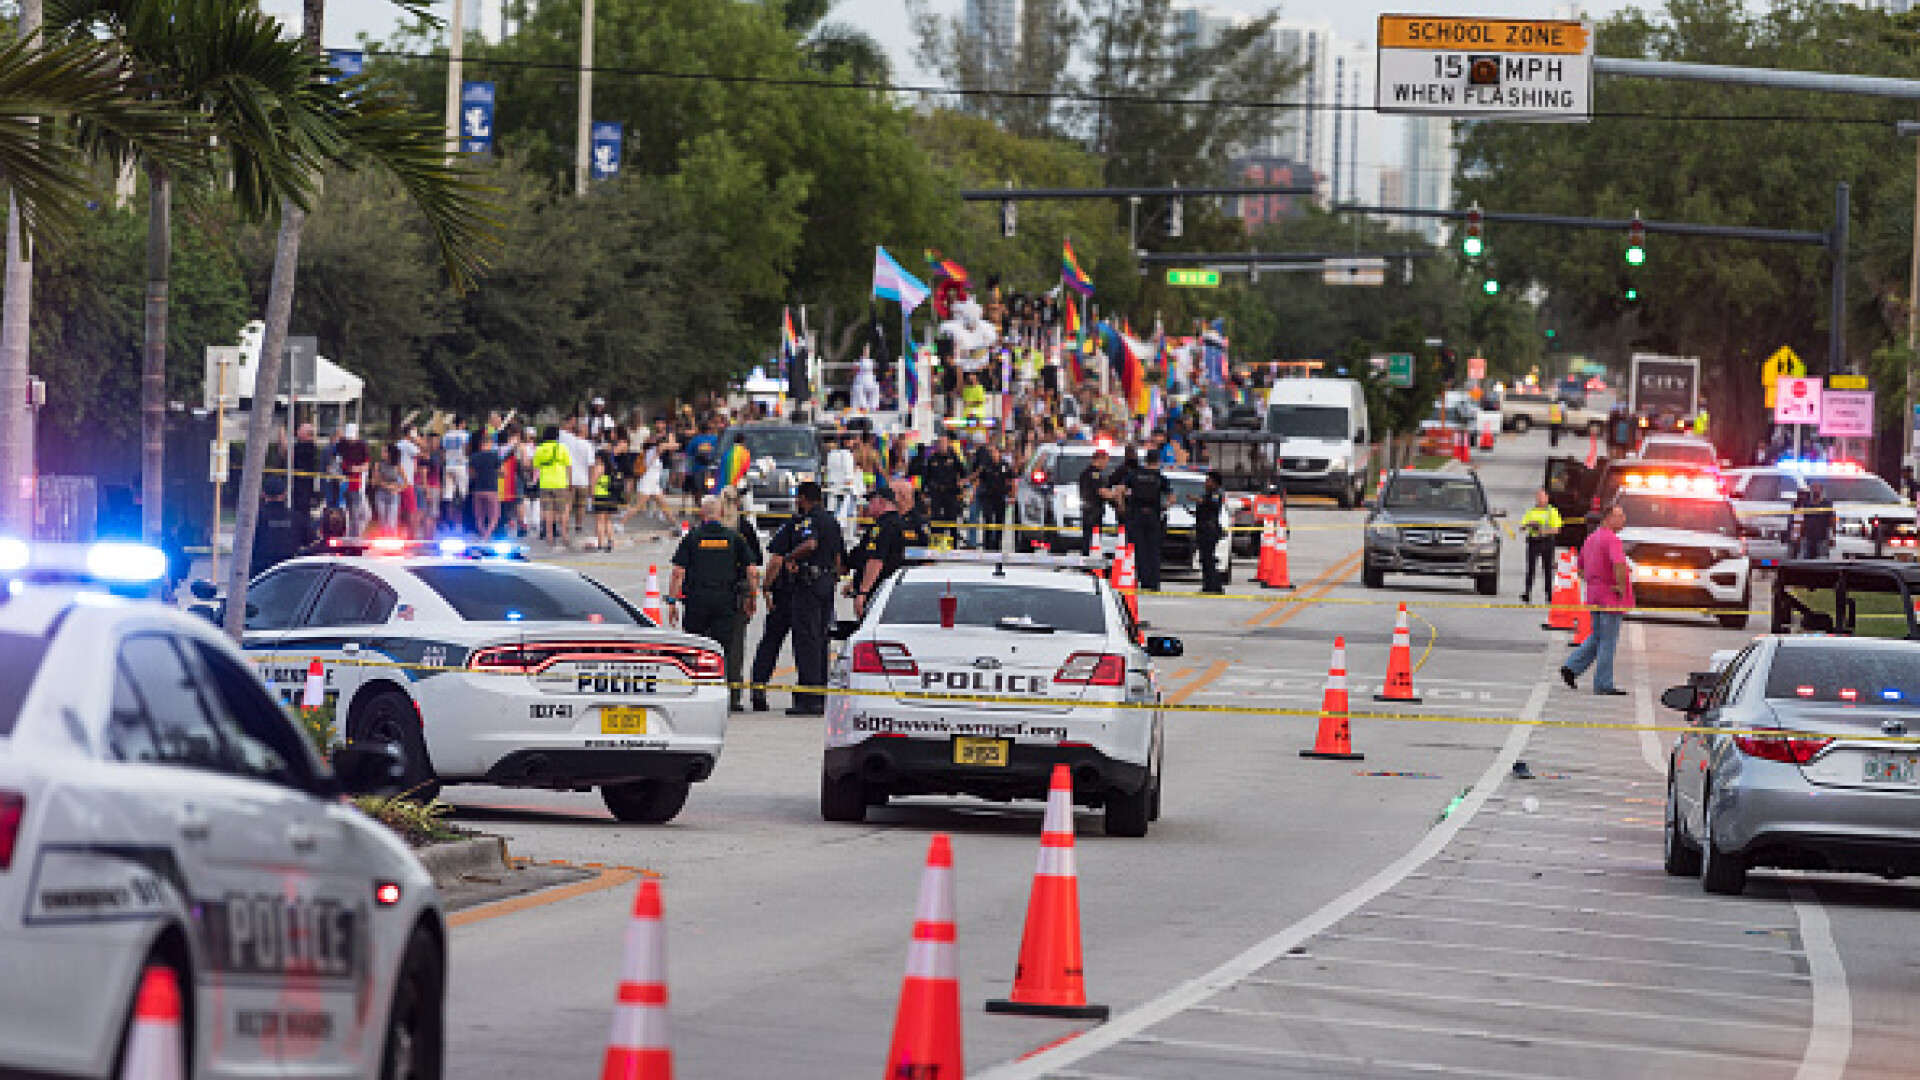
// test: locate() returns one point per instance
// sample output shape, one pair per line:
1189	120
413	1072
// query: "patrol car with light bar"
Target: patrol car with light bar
158	809
1684	543
486	668
975	673
1865	509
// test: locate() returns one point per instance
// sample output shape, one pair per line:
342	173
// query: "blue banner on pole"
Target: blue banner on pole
348	62
604	159
476	118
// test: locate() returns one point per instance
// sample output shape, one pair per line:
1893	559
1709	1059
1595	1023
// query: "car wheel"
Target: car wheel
1486	584
843	798
646	802
1521	424
1129	813
185	988
1682	855
416	1023
1153	802
389	717
1346	498
1720	873
1373	578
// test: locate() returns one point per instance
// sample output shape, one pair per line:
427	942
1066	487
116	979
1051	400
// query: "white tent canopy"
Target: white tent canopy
333	384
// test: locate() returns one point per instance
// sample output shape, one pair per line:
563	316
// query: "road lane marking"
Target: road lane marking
1214	671
1368	1063
1137	1020
1585	959
1579	931
609	878
1650	747
1557	980
1730	924
1430	995
1277	606
1341	573
1531	884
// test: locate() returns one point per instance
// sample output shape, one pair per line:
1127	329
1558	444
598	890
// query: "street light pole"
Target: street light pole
583	136
456	42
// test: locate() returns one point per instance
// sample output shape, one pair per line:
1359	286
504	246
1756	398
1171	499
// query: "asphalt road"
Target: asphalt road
1286	916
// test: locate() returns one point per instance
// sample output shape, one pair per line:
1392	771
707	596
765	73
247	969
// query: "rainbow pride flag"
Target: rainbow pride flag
945	268
737	462
1070	272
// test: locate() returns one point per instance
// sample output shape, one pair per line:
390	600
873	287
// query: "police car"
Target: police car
1764	498
1054	648
485	668
159	809
1685	547
1047	493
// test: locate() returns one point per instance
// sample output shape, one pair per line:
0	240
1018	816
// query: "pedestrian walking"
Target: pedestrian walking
1541	527
711	567
1609	581
1556	416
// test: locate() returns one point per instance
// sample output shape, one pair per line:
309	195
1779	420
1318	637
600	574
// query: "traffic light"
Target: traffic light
1491	286
1009	220
1176	214
1472	244
1636	241
1449	363
1632	294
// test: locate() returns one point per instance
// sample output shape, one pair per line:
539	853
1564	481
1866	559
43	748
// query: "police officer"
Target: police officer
1207	533
940	477
992	484
1093	499
1146	501
283	531
709	567
887	541
1541	526
780	587
815	562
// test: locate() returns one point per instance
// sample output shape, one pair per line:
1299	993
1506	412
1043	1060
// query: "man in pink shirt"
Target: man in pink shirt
1609	581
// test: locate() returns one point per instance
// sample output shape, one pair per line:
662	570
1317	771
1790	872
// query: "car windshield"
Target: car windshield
1682	452
1441	494
1067	468
781	443
19	659
1674	512
1067	610
1857	489
1308	421
1846	673
495	593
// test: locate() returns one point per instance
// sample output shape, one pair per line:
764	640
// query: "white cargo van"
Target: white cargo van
1325	444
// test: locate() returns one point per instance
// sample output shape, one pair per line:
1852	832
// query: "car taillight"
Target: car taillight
1093	669
1784	749
13	810
513	658
883	658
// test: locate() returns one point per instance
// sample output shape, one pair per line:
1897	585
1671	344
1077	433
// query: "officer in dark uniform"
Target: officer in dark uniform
914	523
1146	492
282	533
780	588
1206	533
709	568
888	539
815	563
940	478
1093	499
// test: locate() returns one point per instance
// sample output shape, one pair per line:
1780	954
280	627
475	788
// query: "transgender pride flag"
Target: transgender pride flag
892	282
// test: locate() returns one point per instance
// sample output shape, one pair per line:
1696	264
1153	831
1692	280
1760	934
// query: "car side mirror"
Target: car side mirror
842	629
1161	645
1678	698
368	766
203	589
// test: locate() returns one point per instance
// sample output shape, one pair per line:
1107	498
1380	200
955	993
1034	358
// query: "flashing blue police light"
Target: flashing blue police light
126	563
514	616
1890	695
507	551
13	554
452	547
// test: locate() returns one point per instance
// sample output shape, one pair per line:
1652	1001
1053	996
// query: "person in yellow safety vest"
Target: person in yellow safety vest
1556	416
973	396
1541	527
1700	421
555	467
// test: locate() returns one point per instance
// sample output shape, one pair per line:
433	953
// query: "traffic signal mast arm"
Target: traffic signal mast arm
1675	228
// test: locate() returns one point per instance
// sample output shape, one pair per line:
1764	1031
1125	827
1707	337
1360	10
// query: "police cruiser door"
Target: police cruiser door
275	604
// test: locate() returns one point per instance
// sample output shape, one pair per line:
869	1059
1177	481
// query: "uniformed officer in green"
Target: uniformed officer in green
1541	526
709	568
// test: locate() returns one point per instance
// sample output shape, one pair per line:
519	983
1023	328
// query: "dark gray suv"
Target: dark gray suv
1435	523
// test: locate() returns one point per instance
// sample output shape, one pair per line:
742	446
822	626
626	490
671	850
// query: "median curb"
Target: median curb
450	862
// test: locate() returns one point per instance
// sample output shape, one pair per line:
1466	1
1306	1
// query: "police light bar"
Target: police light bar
109	562
1672	485
447	547
1821	468
1035	560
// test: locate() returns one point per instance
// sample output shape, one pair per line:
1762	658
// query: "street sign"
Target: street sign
1783	364
1353	272
1846	382
1487	69
1194	279
1847	414
1399	369
1476	367
300	366
476	118
1797	401
605	157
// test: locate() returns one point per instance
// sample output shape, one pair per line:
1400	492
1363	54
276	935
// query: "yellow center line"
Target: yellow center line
1340	572
1207	677
1280	605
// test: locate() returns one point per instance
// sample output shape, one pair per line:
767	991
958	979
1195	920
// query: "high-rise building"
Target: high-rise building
1427	159
486	18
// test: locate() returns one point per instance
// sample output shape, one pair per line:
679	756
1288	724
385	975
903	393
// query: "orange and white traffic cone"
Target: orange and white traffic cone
650	606
638	1049
1050	979
926	1029
314	694
1380	489
1566	595
1335	739
1125	581
1265	566
1278	576
1462	452
1593	448
1582	617
1399	685
155	1044
1486	440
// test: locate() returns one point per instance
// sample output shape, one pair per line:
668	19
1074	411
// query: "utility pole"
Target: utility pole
584	135
16	439
456	48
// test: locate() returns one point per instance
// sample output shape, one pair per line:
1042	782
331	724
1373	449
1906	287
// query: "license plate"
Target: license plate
623	721
969	750
1890	769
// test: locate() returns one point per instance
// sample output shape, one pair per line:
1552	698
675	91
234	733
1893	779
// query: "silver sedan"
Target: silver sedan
1837	789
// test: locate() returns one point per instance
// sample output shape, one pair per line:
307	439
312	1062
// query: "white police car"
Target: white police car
485	668
159	809
1055	648
1764	498
1686	551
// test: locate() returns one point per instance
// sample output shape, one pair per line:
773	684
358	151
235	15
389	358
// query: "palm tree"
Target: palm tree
346	124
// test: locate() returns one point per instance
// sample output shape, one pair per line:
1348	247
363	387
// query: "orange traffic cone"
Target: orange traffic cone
650	606
926	1030
1334	739
1265	566
637	1049
1050	980
1462	451
314	694
1125	581
1486	440
1582	617
154	1043
1278	577
1380	489
1400	665
1566	595
1593	448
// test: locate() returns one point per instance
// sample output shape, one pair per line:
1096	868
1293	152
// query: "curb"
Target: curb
450	862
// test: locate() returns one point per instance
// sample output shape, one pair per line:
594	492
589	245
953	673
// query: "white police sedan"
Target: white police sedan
159	810
485	668
1049	647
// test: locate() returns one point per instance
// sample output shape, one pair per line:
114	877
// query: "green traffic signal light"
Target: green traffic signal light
1472	246
1491	287
1633	294
1636	255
